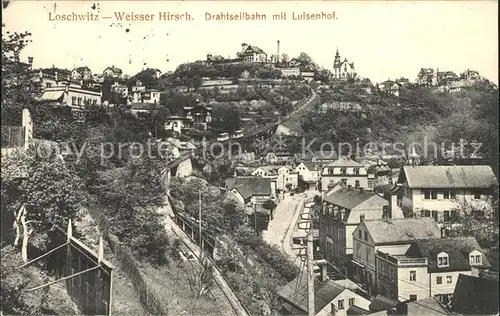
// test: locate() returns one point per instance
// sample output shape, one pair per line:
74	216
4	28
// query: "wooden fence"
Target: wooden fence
148	298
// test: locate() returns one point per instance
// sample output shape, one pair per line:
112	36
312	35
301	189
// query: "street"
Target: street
281	228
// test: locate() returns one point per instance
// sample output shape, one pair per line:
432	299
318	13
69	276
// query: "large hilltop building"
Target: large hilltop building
343	69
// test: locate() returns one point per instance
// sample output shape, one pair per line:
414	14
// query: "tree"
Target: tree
307	63
51	195
234	214
225	118
285	58
18	84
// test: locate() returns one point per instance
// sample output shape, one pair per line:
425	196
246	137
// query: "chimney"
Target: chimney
56	75
323	272
278	52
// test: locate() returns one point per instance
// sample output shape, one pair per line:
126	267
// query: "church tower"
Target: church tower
336	61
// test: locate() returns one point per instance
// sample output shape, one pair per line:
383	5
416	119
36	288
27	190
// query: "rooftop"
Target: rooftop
458	250
349	198
249	186
402	229
475	295
295	293
344	162
447	176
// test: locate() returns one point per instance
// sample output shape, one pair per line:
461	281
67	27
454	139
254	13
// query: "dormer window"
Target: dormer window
475	258
442	260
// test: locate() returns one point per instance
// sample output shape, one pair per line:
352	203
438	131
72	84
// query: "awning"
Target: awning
52	95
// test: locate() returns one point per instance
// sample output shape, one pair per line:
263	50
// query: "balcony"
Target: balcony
400	260
411	261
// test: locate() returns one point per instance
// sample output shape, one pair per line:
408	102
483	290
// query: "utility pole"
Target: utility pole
310	265
306	224
199	225
255	218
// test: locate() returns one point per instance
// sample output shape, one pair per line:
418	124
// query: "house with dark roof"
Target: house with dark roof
330	297
275	156
346	170
390	87
81	73
177	124
266	172
341	213
252	54
427	77
72	95
475	295
428	268
389	234
112	71
427	306
200	114
251	189
470	74
140	94
324	156
214	59
437	191
309	171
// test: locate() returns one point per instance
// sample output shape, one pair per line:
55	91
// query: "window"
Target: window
366	235
453	194
449	279
478	259
344	181
361	217
360	234
351	301
367	254
454	216
435	215
434	195
343	170
427	194
79	101
442	260
340	304
73	100
48	84
477	195
413	297
439	280
446	194
446	216
356	170
413	276
425	213
356	183
370	184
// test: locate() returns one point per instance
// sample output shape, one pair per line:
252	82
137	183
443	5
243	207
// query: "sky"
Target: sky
385	39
